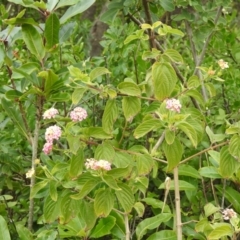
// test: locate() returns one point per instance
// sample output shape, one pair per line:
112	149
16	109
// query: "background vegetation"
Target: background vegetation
175	171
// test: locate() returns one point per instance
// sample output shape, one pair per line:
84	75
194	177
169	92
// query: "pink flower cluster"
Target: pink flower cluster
173	105
78	114
52	133
228	213
97	165
50	113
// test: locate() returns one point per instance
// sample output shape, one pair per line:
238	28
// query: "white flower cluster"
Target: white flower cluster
228	213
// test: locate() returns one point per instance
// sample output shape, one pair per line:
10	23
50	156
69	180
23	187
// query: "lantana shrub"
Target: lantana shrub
139	143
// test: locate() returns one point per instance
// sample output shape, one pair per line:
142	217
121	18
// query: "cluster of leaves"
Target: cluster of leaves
124	93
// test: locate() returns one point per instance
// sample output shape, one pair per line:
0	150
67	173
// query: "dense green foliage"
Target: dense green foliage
154	151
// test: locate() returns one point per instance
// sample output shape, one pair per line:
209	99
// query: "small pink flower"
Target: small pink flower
47	148
228	213
78	114
103	164
50	113
97	165
173	105
53	132
222	64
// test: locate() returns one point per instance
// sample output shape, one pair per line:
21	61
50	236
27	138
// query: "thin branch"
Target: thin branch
223	193
177	204
203	151
127	237
201	57
159	142
190	37
39	105
149	21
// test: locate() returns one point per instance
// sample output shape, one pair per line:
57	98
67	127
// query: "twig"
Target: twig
177	204
34	157
159	142
127	226
204	49
149	21
223	193
203	151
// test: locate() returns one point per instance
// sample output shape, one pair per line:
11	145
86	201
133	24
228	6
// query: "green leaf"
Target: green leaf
97	72
118	230
168	5
139	207
68	207
214	137
234	147
111	182
164	80
173	153
21	2
53	190
154	54
15	116
33	41
183	186
78	94
173	55
59	97
87	188
235	128
80	7
231	195
74	143
77	74
104	151
50	209
163	235
97	132
50	79
2	55
103	227
13	94
125	197
189	131
37	187
210	209
104	202
151	223
23	232
169	136
228	165
76	164
129	88
109	116
196	95
87	213
25	70
63	3
146	127
187	170
144	164
119	172
66	30
155	203
209	172
131	107
4	232
51	31
222	229
193	82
